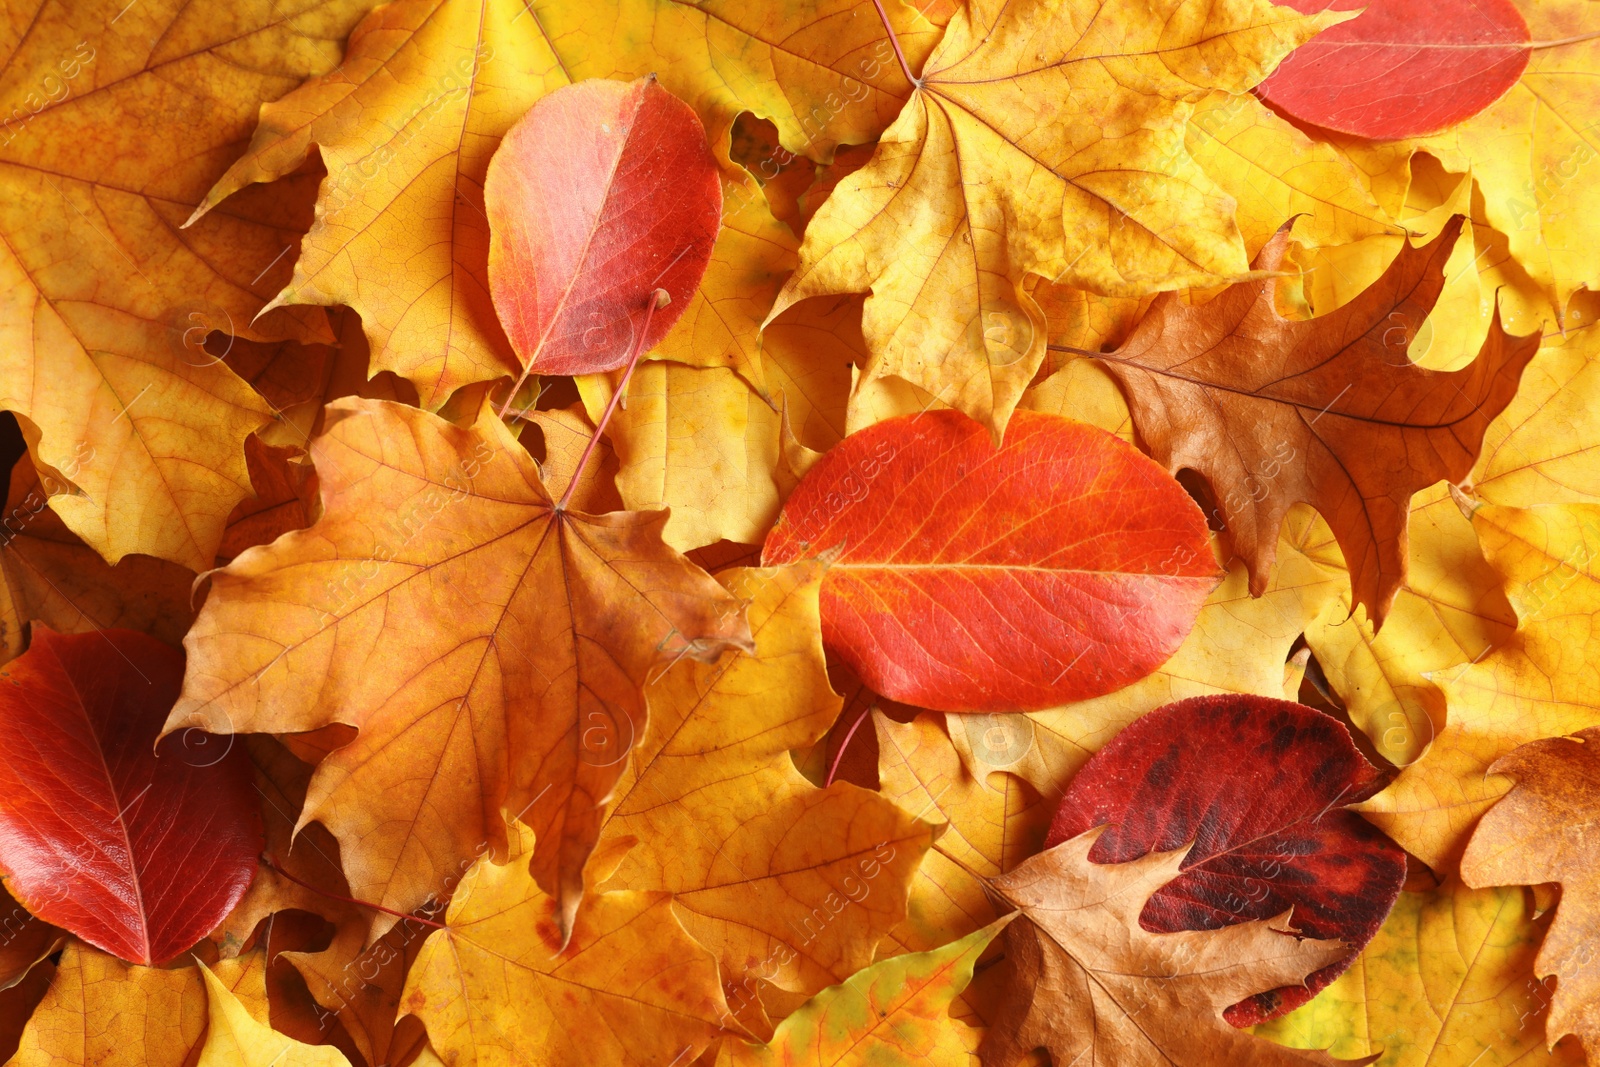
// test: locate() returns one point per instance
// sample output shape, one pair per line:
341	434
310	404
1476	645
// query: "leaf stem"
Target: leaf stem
894	39
838	757
659	299
266	861
1074	351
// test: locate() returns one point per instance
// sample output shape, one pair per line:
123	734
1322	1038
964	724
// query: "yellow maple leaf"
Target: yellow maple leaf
116	123
235	1039
1274	172
786	883
502	984
1465	954
1044	137
1533	686
103	1012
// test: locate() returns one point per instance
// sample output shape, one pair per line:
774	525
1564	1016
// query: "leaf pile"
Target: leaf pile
827	532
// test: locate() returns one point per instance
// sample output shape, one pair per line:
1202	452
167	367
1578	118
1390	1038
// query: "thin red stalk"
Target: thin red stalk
838	757
916	83
658	299
267	863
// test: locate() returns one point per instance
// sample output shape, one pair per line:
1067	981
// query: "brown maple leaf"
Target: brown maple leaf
489	647
1329	411
1091	985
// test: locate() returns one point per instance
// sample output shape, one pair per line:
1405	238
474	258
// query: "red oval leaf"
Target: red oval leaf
1060	566
1401	69
138	849
602	193
1259	786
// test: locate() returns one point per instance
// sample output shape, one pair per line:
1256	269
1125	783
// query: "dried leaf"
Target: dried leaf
494	697
1089	981
1329	411
1045	137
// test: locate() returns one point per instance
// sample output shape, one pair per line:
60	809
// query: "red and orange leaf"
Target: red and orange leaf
604	192
1259	786
1401	69
1060	566
489	648
135	847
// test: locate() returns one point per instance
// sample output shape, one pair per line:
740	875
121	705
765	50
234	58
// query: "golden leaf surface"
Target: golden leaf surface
235	1039
1045	137
786	883
893	1014
1535	685
1531	151
1090	984
489	648
102	1012
118	120
1465	954
503	983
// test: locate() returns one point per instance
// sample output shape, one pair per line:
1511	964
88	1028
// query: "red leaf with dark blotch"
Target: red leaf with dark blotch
602	193
138	849
1060	566
1259	786
1401	68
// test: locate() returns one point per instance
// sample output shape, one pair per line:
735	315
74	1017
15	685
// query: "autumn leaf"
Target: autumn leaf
234	1039
1043	138
1260	788
1341	419
1439	65
505	978
506	700
102	1012
927	517
1089	981
408	122
785	883
1543	831
1531	687
1467	954
893	1013
573	270
99	825
116	123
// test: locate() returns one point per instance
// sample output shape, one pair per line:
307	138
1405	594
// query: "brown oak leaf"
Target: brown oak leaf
1330	411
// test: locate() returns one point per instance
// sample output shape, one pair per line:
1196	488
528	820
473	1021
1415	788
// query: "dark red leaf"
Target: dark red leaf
137	848
1061	566
1259	786
1402	68
602	193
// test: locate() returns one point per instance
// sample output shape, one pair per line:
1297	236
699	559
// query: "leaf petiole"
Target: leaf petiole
894	39
266	861
660	299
